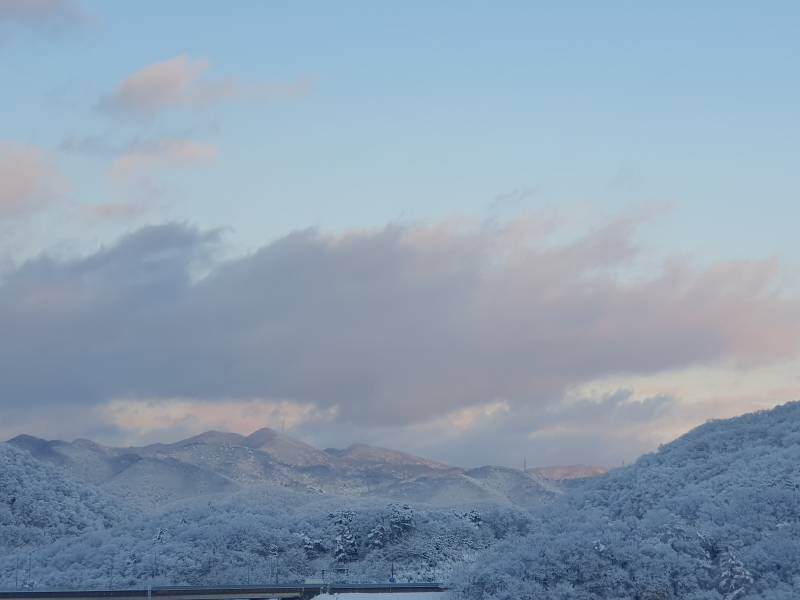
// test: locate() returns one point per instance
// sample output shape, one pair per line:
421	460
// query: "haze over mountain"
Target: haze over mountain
217	462
568	472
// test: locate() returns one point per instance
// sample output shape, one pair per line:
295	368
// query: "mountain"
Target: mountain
714	514
361	453
286	450
155	482
38	504
82	459
217	462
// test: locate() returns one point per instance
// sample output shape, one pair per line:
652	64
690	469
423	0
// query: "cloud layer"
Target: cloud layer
399	325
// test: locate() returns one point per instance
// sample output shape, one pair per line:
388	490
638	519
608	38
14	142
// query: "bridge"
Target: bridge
304	591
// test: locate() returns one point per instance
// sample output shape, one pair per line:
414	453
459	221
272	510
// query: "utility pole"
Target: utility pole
28	578
16	573
273	552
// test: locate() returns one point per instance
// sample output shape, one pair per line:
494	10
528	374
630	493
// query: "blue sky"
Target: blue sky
353	115
426	109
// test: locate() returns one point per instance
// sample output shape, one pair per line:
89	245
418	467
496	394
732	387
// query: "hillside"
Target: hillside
260	536
568	472
714	514
39	505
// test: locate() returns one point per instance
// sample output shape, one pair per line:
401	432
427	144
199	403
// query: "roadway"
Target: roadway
304	591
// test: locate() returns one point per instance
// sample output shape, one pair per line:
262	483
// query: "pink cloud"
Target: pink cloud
145	416
27	179
181	82
114	211
143	158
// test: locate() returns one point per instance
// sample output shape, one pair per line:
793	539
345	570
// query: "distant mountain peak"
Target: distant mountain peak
214	437
24	438
38	447
262	436
286	449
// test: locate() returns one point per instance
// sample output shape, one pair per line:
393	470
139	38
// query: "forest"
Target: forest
713	515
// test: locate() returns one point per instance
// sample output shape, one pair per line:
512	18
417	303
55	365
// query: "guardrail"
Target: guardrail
304	591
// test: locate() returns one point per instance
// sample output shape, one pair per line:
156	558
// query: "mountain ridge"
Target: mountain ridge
218	462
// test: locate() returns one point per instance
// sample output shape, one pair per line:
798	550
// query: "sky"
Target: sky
480	232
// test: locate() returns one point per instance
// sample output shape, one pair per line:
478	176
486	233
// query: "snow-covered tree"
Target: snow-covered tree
345	546
734	578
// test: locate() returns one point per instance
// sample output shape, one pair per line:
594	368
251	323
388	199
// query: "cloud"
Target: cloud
27	179
143	157
603	431
139	158
114	211
399	325
41	14
179	83
175	418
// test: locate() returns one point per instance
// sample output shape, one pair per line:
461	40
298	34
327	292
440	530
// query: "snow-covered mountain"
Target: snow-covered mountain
361	453
713	515
287	450
38	504
217	462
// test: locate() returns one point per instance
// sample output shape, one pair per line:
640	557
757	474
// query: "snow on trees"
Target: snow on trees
715	515
345	547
